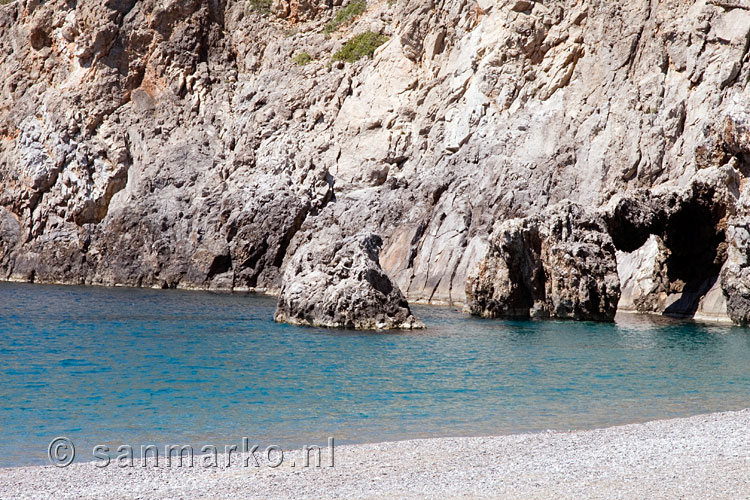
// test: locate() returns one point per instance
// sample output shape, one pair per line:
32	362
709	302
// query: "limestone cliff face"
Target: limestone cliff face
183	143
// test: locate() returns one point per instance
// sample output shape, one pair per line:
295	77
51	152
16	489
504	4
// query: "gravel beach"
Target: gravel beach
705	456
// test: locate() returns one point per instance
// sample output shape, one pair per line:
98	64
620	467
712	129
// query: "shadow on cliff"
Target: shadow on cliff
690	228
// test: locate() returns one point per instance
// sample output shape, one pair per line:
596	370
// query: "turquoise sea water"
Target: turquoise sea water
114	366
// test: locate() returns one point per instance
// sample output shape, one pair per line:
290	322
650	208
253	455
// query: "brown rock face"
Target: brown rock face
560	264
338	283
301	10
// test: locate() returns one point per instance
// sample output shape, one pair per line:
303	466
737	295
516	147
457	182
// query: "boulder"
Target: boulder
337	282
643	277
559	264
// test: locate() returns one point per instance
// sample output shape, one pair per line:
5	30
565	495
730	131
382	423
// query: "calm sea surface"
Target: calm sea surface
139	367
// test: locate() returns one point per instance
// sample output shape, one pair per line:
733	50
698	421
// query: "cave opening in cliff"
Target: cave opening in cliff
695	239
219	265
694	236
686	258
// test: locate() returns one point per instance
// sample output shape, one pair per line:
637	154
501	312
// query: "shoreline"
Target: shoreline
702	319
704	456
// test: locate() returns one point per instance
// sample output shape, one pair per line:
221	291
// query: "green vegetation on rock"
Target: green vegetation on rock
345	15
302	59
260	6
360	46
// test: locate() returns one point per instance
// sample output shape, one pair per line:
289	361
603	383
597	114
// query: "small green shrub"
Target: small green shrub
260	6
302	59
360	46
345	15
5	2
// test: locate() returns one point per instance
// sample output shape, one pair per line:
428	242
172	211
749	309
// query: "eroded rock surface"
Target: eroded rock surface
337	282
559	264
642	277
185	143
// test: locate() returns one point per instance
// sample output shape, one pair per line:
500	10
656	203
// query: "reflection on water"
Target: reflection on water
166	367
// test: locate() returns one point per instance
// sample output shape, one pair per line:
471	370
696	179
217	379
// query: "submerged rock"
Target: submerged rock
560	264
337	282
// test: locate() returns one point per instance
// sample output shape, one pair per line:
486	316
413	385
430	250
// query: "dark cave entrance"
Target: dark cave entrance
632	222
695	238
693	232
696	241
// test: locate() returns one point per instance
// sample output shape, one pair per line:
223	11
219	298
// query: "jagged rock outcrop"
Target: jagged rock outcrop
337	282
184	144
558	264
735	275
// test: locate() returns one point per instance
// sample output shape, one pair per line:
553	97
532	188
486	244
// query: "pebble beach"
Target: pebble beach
705	456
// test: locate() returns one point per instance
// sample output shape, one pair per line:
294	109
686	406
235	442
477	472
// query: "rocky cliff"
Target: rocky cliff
201	144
